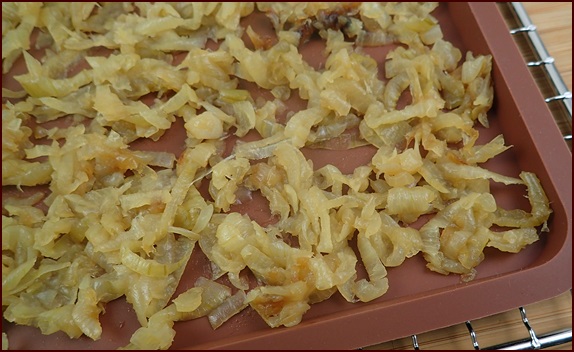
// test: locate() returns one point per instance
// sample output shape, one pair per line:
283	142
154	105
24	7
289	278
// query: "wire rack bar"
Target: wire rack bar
472	335
528	28
549	340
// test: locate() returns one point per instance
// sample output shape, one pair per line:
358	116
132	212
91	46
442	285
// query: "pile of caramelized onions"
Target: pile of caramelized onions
90	217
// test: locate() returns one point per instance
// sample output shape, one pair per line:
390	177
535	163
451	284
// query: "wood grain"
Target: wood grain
544	317
554	24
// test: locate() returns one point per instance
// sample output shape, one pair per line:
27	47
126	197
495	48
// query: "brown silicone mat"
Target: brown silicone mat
418	300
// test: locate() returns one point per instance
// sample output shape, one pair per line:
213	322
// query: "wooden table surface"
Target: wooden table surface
554	24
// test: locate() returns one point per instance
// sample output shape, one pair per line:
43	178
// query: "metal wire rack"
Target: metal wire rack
550	82
534	341
556	92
